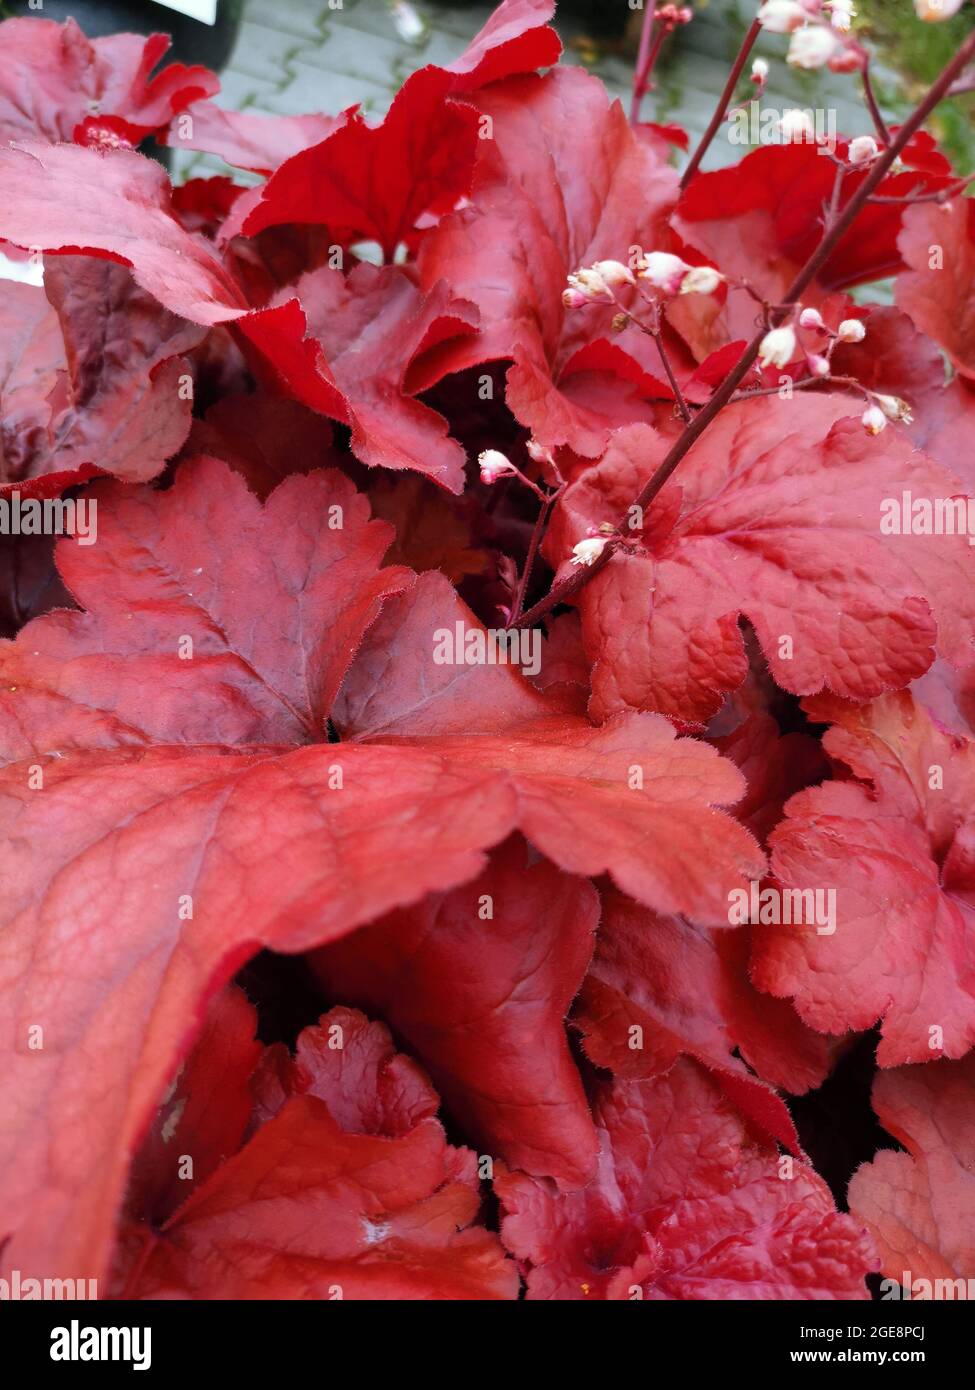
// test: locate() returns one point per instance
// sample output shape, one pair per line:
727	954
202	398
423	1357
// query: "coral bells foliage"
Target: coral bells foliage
497	769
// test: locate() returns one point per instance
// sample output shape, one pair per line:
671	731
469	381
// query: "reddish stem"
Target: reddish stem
724	101
570	585
536	540
933	196
848	381
641	78
654	331
879	124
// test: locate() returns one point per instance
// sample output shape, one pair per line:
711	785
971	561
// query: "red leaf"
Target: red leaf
946	419
52	78
180	779
315	1206
32	358
374	329
564	183
893	358
919	1206
686	990
894	845
203	205
948	695
431	533
782	536
100	377
265	438
686	1205
248	139
352	1065
421	159
592	800
938	244
117	206
515	39
762	218
204	1114
478	982
775	766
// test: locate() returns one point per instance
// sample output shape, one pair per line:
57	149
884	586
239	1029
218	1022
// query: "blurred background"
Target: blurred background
292	56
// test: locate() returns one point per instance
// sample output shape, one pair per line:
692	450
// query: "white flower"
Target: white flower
841	13
613	273
863	149
813	47
811	318
663	271
588	552
934	10
759	70
538	453
851	331
494	465
701	279
781	16
778	347
795	125
894	408
874	420
587	281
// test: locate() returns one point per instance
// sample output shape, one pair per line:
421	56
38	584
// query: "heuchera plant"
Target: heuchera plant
531	594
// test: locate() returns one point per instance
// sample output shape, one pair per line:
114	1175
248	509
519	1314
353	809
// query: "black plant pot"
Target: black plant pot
193	42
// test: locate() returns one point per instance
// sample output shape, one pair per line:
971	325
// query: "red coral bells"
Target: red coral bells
486	711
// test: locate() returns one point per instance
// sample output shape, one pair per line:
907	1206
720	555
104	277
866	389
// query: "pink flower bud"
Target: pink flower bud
701	279
588	552
574	299
494	465
817	364
811	318
778	347
874	420
759	70
664	271
863	149
851	331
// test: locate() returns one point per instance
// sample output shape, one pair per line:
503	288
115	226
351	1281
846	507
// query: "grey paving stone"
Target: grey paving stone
322	89
266	53
357	52
241	89
303	18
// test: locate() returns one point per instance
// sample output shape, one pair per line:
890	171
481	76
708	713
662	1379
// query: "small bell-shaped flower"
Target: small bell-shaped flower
778	347
494	465
587	552
873	419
